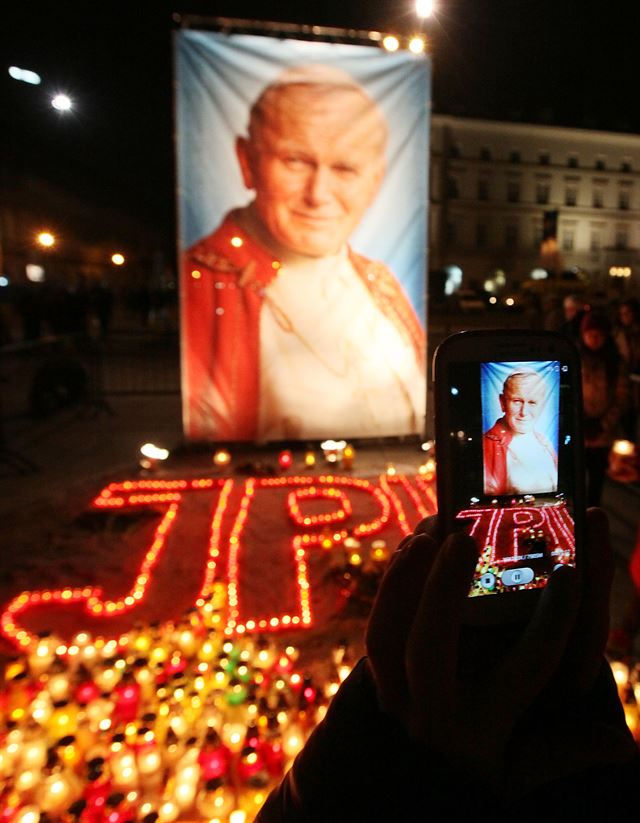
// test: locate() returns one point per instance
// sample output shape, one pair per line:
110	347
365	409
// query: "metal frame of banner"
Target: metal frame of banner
299	31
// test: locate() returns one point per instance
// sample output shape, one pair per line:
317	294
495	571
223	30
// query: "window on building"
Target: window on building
572	161
483	189
454	149
568	237
625	165
481	235
598	198
543	158
595	241
453	191
513	191
485	153
511	235
600	164
622	239
623	199
570	196
543	191
537	235
450	233
514	156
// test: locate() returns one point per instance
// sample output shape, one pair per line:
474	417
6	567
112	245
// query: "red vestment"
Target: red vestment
223	280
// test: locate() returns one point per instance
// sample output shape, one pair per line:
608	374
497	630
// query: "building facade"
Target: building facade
492	183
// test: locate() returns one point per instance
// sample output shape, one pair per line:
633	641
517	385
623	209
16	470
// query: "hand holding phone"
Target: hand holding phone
532	710
509	456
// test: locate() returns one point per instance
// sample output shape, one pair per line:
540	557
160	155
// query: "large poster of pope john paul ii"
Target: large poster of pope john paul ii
302	187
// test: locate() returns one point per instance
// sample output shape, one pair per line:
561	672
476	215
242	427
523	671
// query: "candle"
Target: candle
292	740
27	814
285	459
43	654
214	758
620	674
168	811
216	800
33	754
221	458
233	735
63	720
57	792
126	699
379	552
347	457
124	769
332	450
26	780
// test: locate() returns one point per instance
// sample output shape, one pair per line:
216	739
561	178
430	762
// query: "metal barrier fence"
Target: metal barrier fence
39	377
137	364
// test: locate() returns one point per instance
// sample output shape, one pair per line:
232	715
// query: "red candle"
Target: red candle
214	758
86	692
126	696
285	459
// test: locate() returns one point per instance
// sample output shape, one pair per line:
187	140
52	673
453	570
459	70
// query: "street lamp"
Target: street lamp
117	259
424	8
416	45
25	75
391	43
46	239
62	103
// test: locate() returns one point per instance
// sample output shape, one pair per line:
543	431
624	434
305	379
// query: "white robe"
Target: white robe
331	363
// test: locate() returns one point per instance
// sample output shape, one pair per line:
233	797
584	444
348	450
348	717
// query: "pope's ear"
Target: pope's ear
243	153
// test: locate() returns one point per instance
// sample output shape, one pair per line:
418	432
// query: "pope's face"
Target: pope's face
522	404
316	164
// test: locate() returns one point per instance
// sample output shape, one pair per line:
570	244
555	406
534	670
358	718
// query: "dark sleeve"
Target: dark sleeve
359	765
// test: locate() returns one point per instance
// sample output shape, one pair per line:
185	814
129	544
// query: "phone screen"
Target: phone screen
512	448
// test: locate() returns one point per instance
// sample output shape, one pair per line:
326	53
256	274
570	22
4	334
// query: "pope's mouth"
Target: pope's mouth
319	219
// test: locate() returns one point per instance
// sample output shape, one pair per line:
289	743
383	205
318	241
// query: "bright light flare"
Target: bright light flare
425	8
624	447
117	259
46	239
34	272
62	102
153	452
25	75
416	45
391	43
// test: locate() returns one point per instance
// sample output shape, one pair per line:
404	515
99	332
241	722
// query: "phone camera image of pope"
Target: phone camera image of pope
520	447
291	333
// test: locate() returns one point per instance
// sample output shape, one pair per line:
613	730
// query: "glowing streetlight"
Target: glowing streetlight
424	8
24	75
117	259
46	239
62	103
416	45
391	43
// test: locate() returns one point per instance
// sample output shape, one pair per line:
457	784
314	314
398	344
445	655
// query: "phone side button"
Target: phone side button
517	577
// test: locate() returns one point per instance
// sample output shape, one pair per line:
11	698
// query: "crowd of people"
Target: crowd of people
79	306
609	346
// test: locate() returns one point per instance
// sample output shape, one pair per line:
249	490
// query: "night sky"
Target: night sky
547	61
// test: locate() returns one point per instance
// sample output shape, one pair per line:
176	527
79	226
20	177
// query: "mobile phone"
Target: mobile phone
510	464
